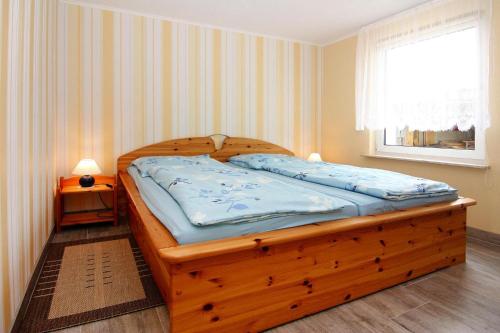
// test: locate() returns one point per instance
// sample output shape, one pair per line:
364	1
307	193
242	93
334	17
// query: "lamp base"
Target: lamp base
86	181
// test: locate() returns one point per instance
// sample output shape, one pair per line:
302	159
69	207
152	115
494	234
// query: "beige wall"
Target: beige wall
341	143
129	80
80	82
27	146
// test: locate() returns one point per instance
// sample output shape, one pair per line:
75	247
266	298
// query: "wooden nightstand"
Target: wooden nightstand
70	186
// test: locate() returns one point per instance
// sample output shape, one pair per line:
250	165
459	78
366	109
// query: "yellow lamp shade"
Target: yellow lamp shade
314	157
85	167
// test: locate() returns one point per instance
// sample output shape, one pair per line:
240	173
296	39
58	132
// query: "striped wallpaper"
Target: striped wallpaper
79	81
126	81
27	143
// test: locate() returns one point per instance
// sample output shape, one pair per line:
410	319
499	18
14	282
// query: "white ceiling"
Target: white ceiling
314	21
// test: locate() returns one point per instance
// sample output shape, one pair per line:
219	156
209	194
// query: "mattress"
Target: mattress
170	214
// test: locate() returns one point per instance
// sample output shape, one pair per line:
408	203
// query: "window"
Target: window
437	73
422	81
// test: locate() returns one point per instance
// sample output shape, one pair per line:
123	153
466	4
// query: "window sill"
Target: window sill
465	164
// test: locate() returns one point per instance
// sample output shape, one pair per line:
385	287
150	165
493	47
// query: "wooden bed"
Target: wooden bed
254	282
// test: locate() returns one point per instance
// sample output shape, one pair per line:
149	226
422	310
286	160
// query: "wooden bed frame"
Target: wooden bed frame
254	282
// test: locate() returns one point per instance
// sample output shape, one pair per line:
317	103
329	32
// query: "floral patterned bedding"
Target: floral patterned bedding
210	192
375	182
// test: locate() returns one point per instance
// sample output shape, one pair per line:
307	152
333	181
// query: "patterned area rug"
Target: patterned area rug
90	280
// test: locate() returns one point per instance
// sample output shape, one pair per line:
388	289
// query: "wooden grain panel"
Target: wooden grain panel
229	296
79	189
314	256
104	215
239	146
294	303
202	145
160	272
74	181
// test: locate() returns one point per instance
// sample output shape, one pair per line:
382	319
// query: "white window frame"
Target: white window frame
473	157
453	156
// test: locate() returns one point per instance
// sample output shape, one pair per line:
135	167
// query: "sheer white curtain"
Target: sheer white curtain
426	68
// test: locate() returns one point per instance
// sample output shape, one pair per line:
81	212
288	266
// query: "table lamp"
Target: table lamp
314	157
86	168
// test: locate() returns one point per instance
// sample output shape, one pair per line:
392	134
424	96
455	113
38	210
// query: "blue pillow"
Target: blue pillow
144	164
256	161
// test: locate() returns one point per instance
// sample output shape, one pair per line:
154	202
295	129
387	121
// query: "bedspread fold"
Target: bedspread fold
210	192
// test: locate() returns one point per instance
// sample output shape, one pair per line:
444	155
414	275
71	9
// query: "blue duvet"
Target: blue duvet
210	192
375	182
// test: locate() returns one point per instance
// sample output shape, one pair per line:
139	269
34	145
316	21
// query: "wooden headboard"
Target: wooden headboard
202	145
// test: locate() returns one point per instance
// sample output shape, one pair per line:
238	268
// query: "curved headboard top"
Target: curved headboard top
202	145
237	146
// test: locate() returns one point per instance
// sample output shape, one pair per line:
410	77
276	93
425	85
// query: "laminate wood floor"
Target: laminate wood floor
463	298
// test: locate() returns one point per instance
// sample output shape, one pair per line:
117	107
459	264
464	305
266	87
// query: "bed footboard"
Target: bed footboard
251	284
